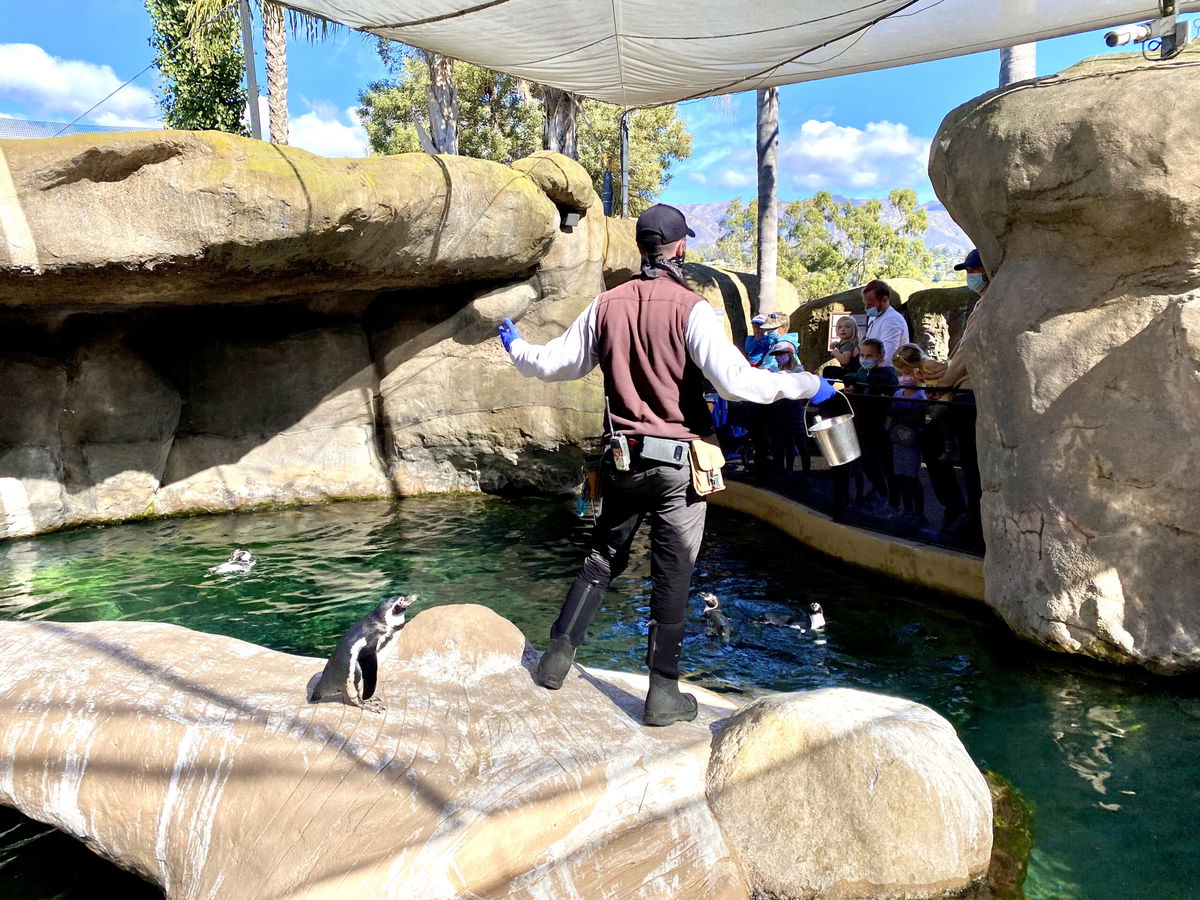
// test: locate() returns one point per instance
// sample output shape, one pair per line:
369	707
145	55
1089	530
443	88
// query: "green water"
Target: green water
1108	760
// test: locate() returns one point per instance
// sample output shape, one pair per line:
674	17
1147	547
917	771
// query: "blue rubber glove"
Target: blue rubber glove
508	333
824	392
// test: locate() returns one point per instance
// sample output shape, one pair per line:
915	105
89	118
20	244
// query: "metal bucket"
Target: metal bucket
835	436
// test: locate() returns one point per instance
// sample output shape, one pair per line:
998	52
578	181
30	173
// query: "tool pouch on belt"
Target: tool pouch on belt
707	460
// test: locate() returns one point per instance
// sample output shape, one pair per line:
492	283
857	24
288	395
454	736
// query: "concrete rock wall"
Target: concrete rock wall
1084	201
198	322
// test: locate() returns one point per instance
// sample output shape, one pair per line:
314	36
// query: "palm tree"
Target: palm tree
204	12
768	199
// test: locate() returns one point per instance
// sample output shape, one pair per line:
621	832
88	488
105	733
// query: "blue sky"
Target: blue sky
859	135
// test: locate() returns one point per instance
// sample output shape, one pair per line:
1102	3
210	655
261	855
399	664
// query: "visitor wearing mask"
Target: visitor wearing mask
961	423
876	380
655	341
884	323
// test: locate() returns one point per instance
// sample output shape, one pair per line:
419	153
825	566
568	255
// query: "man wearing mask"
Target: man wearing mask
884	323
655	342
962	418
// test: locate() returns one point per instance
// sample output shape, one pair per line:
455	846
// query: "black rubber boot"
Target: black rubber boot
664	703
555	663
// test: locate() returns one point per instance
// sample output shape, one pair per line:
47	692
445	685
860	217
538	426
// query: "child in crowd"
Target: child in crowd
844	349
775	326
875	381
910	359
907	422
785	423
757	344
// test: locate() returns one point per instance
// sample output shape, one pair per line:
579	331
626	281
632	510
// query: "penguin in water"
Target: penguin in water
814	621
239	563
719	624
353	669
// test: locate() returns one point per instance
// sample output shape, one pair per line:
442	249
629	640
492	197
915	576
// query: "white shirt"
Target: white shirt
890	328
573	354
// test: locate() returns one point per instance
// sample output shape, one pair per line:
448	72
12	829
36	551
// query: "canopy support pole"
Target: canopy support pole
251	78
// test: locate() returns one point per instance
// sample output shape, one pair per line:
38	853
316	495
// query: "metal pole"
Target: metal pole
625	164
251	78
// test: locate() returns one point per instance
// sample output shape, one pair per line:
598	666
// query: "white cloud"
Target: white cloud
698	177
53	87
881	156
732	178
325	131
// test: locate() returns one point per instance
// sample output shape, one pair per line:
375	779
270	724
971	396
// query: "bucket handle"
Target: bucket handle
808	406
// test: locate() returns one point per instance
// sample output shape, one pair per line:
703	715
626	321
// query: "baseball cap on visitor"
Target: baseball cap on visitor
661	224
758	320
973	261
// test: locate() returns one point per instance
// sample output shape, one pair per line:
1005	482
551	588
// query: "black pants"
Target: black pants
942	478
663	493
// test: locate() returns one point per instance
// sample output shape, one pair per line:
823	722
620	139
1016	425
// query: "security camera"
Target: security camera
1129	34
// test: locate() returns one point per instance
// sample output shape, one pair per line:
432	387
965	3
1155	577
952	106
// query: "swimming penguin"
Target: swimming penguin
814	621
240	562
719	624
353	669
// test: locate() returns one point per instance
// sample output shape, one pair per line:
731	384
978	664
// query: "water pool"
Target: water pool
1108	760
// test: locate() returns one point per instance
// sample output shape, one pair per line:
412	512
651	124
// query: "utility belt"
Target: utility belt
703	455
647	449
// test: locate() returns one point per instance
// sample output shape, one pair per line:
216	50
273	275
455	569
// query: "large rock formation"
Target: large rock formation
203	322
853	762
197	761
1084	200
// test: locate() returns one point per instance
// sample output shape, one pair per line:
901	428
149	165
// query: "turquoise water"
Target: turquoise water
1108	760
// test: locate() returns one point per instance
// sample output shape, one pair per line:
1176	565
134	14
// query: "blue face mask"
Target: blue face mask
872	313
867	363
976	282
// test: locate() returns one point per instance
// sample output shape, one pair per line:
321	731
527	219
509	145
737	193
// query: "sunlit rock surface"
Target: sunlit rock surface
1083	196
204	322
862	771
196	761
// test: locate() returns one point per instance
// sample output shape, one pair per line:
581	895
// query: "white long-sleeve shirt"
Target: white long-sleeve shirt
574	353
891	329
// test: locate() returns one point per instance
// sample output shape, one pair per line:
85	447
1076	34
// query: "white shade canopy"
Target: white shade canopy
648	52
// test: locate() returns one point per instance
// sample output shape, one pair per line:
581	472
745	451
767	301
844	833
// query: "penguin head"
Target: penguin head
815	608
393	608
711	602
241	556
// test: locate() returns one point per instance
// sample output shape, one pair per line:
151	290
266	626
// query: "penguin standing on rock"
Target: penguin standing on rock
353	670
816	617
239	563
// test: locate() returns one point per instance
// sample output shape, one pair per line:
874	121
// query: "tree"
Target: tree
826	246
198	91
203	13
657	136
497	118
501	117
767	264
561	132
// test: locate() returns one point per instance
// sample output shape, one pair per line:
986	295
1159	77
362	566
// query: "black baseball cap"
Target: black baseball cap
661	224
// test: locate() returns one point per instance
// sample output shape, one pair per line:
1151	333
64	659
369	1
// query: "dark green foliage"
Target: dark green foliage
199	91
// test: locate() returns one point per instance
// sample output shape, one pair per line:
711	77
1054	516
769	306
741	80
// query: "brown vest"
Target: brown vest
652	385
